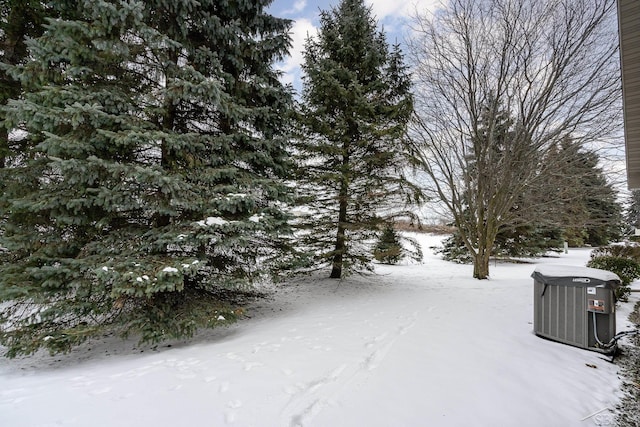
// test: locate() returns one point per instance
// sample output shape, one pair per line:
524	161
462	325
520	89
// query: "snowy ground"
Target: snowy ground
415	345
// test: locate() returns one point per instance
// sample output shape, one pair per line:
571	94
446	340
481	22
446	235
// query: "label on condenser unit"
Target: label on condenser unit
596	305
591	291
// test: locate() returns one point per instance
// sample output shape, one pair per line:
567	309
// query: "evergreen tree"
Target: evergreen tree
588	211
353	147
531	240
632	213
390	249
605	222
19	20
149	196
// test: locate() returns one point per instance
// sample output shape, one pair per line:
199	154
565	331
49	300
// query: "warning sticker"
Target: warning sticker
596	305
591	291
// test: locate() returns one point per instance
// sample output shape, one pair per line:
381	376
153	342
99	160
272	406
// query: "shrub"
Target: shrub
620	251
453	249
626	268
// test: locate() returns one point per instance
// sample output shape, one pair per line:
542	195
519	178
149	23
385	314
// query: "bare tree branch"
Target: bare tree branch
547	69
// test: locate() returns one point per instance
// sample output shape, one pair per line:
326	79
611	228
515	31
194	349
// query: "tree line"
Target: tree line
154	167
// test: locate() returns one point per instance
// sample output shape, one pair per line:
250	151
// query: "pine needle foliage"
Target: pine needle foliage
632	213
146	196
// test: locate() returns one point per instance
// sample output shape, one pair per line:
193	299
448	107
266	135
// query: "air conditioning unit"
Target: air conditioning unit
575	306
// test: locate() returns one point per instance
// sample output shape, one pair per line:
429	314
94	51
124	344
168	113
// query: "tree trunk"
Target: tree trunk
4	146
167	160
481	259
336	272
341	244
481	266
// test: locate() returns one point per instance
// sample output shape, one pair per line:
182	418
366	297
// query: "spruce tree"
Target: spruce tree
632	213
588	209
353	149
19	20
149	195
390	248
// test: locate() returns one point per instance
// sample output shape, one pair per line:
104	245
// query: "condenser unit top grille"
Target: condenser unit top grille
567	275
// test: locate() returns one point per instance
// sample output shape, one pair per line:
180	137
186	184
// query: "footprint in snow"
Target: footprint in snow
100	391
376	340
230	416
250	365
122	397
287	372
234	404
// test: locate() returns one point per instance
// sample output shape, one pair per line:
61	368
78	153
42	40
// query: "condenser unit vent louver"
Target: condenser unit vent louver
575	305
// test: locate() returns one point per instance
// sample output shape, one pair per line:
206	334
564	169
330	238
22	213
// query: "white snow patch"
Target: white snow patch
420	344
105	268
213	220
221	318
145	277
301	211
256	218
576	271
139	279
170	270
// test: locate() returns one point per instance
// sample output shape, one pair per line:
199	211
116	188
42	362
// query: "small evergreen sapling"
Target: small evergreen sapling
389	249
392	247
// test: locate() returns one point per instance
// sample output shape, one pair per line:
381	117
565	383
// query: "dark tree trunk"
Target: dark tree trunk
341	243
481	265
336	271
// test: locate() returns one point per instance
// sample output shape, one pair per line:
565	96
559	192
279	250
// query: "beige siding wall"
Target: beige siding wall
629	20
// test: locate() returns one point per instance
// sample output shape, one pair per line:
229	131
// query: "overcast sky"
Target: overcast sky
391	14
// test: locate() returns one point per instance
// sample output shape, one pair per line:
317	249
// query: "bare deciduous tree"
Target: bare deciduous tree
498	83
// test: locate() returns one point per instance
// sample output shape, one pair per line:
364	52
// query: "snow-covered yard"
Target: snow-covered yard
414	345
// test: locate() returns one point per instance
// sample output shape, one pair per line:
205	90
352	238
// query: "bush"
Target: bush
620	251
629	412
520	242
626	268
453	249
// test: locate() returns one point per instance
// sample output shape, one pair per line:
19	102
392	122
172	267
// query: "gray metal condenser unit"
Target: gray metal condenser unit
575	305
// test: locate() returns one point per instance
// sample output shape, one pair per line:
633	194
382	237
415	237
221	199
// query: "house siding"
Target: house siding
629	28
